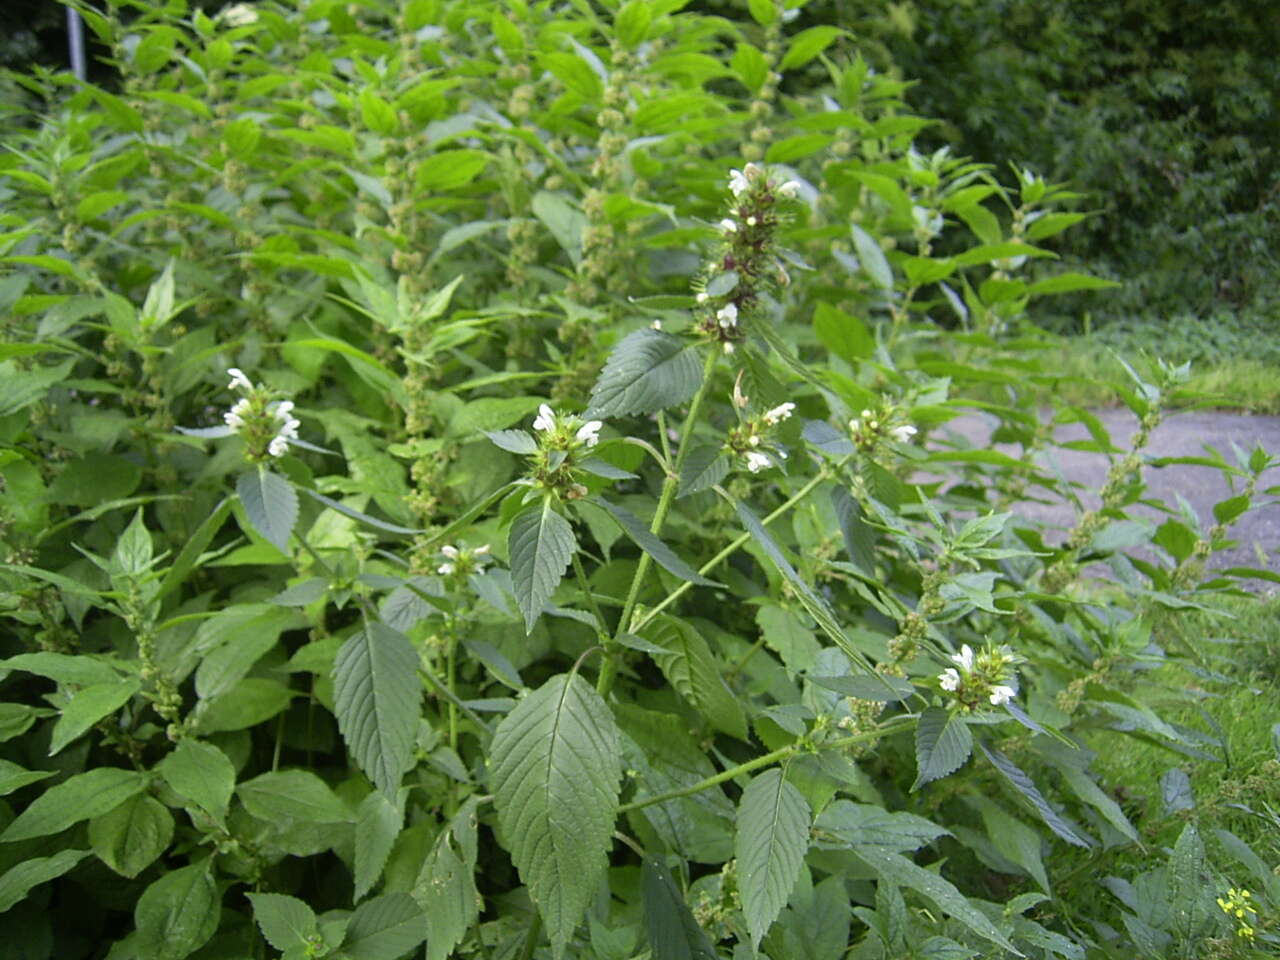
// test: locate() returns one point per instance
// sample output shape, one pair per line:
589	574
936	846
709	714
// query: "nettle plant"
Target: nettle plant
477	474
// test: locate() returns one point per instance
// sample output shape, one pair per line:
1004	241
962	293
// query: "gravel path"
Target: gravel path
1182	435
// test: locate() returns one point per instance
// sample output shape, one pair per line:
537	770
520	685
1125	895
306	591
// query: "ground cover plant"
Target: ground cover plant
476	483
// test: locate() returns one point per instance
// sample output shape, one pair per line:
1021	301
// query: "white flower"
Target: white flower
278	447
757	462
752	221
701	298
241	15
903	434
855	425
445	569
728	225
289	430
238	379
589	433
546	419
1001	695
949	679
282	409
481	550
738	183
728	315
779	413
234	418
656	325
752	172
728	347
449	551
790	189
964	658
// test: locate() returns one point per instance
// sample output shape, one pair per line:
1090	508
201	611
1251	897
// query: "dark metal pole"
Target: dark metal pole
75	38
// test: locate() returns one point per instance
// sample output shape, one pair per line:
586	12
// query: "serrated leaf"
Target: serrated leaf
286	922
201	773
376	699
446	885
18	881
555	772
62	667
703	468
943	744
270	503
513	441
129	838
770	844
178	913
89	706
378	822
868	688
872	258
807	44
866	825
647	372
896	869
292	795
385	928
1025	786
540	545
691	668
650	544
85	795
673	932
790	638
1175	791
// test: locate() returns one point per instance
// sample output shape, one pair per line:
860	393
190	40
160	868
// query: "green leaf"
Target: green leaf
130	838
200	772
378	823
85	795
872	258
565	221
241	137
886	690
703	468
378	115
286	922
791	639
196	545
770	844
943	744
764	12
230	661
1052	223
446	885
1068	283
750	66
673	932
555	772
21	388
80	670
88	707
651	545
806	45
632	22
844	335
897	869
14	777
518	442
1189	887
866	825
1015	776
648	371
270	503
540	545
691	668
385	928
178	913
252	701
292	795
450	169
377	701
17	882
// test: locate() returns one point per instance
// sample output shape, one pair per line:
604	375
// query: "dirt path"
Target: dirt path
1182	435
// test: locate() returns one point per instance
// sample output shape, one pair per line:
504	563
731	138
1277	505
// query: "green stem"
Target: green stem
451	680
669	486
735	545
782	753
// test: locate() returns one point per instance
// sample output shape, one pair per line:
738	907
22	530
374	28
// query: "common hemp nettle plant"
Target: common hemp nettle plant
477	482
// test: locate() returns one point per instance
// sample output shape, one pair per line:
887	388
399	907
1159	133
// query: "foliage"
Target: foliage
1162	112
476	479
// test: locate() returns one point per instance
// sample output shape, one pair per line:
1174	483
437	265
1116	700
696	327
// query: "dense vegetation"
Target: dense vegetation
480	474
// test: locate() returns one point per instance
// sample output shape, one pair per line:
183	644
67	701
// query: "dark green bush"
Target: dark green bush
1162	111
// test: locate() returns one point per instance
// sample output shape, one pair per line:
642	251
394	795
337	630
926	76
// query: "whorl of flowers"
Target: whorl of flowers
461	561
732	285
266	425
985	677
751	438
870	428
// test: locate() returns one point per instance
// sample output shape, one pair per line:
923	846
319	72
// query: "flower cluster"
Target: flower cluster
559	429
984	676
1238	905
267	426
459	561
748	437
869	429
558	450
734	282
